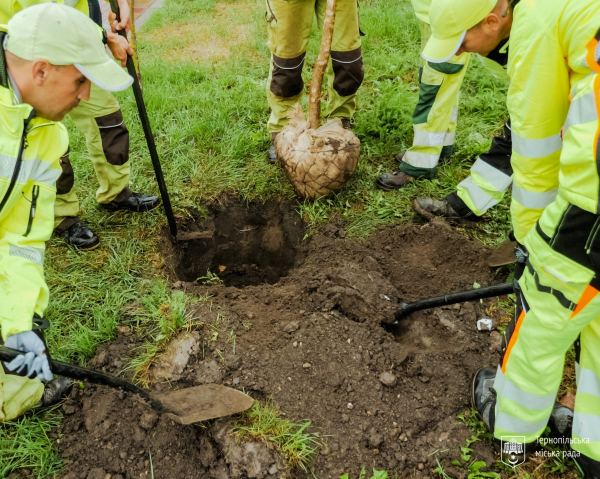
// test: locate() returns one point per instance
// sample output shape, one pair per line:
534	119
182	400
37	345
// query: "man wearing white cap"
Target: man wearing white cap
553	101
49	55
101	121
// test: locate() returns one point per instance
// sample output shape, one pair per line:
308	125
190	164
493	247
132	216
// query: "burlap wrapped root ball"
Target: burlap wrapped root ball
317	162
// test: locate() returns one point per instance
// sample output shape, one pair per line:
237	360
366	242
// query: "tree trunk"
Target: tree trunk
314	99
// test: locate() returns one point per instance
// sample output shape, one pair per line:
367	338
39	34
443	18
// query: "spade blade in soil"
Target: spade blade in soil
201	403
503	255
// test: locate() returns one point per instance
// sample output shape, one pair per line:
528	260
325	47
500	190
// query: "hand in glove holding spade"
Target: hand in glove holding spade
34	360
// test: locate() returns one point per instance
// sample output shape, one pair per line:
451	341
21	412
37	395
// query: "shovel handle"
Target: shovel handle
473	295
96	377
139	100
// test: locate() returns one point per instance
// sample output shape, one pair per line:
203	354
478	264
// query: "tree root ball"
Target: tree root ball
317	162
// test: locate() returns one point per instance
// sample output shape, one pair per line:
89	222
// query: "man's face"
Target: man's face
488	34
60	90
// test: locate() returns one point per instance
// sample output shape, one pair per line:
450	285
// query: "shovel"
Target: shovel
472	295
184	406
139	100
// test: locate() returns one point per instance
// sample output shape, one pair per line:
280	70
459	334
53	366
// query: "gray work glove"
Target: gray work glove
34	362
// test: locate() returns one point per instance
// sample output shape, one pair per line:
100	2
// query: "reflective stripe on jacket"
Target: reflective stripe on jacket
30	149
547	49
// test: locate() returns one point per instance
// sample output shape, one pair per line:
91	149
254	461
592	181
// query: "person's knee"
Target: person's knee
66	180
115	138
286	80
348	71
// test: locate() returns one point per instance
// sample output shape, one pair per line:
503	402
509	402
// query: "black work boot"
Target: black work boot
394	180
561	421
78	235
589	466
54	391
271	155
483	396
430	208
131	201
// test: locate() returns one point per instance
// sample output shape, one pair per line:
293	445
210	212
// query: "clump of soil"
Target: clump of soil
313	342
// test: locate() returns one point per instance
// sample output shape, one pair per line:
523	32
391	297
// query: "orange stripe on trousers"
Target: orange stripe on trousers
513	340
588	294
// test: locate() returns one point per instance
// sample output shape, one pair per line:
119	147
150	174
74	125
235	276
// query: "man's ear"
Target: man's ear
40	70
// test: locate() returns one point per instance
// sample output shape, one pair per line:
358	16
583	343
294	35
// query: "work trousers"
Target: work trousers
434	118
490	177
101	121
289	23
17	395
558	302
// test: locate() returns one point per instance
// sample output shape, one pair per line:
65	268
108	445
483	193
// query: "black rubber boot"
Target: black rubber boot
54	391
79	236
589	466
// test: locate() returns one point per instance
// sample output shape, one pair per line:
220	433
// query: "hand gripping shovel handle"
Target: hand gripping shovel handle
139	100
96	377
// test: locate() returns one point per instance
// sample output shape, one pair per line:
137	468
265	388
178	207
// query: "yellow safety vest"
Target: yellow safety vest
30	149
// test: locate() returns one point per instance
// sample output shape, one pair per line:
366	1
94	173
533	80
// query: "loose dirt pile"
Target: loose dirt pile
314	343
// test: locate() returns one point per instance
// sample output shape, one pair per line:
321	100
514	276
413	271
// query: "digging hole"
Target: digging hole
242	244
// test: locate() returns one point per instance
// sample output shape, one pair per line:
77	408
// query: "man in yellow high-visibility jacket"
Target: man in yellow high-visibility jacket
434	124
101	121
553	101
48	56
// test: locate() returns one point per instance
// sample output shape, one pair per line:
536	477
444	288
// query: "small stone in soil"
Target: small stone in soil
420	466
295	343
424	379
291	327
306	365
495	341
350	405
388	379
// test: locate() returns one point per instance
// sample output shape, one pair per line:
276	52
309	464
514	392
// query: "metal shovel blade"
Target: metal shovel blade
201	403
503	255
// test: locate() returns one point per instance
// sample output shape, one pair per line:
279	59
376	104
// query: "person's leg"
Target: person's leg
17	395
586	422
345	70
101	121
559	294
434	118
490	177
107	138
66	211
288	26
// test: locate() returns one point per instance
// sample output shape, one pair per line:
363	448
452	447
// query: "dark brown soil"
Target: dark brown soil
312	341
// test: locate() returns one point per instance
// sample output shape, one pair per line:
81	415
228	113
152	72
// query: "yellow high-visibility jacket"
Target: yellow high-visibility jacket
546	64
9	7
30	149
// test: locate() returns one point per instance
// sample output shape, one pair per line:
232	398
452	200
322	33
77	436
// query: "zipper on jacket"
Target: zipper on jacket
592	236
19	161
34	196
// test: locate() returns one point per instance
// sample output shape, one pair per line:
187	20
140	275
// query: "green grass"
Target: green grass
24	444
296	445
209	120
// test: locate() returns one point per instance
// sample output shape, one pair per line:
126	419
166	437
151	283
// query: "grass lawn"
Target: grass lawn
204	67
